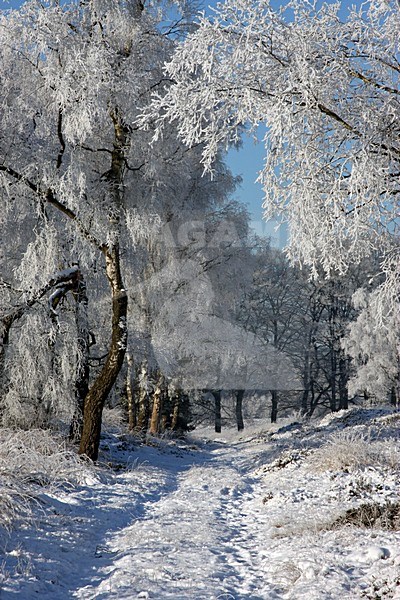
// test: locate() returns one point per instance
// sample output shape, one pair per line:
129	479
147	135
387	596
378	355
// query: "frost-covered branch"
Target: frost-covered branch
326	89
49	196
67	276
63	280
61	139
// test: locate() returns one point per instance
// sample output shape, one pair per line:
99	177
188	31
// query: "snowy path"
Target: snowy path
205	523
192	541
170	527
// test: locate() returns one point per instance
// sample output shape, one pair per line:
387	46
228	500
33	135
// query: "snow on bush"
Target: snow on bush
113	419
352	449
29	461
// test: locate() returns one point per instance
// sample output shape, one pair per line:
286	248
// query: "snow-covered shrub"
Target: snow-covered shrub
39	457
41	369
30	461
289	457
351	449
113	419
373	347
14	502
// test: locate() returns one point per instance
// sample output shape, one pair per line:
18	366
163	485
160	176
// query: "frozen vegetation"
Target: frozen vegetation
300	509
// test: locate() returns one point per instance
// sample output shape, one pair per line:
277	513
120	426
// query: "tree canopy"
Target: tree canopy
327	89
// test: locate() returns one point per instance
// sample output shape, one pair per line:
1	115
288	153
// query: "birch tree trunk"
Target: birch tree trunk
158	401
143	409
102	386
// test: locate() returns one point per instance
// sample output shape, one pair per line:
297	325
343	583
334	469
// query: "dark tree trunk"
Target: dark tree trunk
333	405
239	409
314	370
314	400
98	393
397	384
304	401
274	407
5	326
218	418
83	370
306	381
143	411
334	349
166	409
343	381
180	412
395	396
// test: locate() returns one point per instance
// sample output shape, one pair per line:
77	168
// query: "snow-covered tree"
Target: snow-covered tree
374	350
307	320
274	307
326	87
181	250
74	77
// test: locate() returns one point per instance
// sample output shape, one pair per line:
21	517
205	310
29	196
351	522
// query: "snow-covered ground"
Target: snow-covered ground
258	515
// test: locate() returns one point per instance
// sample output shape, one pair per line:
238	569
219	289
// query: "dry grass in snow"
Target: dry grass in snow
30	461
352	449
